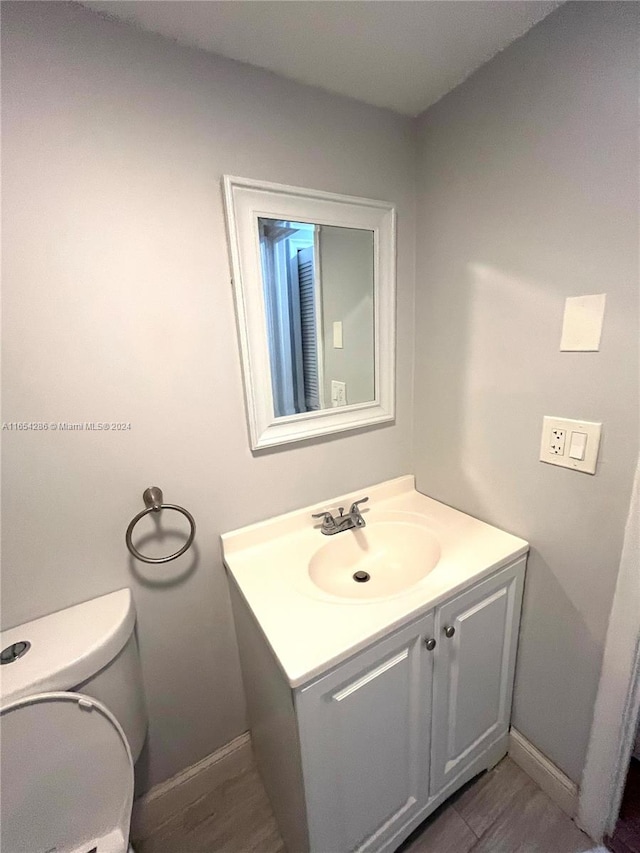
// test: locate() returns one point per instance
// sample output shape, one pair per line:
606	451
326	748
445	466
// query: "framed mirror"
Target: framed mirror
314	286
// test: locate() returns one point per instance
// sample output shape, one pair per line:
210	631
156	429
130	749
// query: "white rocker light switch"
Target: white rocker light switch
578	445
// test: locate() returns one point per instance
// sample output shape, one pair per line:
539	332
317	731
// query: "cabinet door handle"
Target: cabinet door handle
449	631
430	644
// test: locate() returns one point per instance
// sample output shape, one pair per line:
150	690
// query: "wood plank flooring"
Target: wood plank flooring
502	811
235	817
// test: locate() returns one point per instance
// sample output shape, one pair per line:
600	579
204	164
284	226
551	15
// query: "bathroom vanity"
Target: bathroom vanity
371	702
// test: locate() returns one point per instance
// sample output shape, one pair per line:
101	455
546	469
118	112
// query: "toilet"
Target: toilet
72	725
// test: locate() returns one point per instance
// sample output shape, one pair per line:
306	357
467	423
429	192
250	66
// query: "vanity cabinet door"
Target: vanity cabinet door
477	635
364	735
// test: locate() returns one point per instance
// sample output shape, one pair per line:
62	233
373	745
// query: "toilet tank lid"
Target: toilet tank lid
67	647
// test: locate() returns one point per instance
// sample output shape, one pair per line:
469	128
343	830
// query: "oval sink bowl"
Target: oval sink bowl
382	559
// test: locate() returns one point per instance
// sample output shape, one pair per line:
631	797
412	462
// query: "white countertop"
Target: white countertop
309	630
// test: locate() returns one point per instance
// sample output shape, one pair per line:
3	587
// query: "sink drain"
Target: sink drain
361	577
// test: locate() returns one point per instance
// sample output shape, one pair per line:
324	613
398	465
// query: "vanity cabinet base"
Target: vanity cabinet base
274	727
355	760
495	753
365	730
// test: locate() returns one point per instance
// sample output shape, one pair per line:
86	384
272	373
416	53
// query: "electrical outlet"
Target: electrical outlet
570	443
556	444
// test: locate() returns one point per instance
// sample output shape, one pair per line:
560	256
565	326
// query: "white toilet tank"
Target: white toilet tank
91	649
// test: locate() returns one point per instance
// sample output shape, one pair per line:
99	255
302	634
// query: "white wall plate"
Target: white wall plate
582	323
570	443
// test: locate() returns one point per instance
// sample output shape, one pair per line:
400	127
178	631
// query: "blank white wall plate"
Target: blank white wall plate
582	323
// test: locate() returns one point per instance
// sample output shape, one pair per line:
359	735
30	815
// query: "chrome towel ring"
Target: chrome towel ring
153	500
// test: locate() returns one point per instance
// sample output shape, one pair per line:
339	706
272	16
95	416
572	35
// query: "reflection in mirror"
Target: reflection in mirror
318	283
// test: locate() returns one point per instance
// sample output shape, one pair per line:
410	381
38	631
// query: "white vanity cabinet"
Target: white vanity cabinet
473	673
364	737
358	757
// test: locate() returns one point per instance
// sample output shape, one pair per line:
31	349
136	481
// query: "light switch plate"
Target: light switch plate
557	440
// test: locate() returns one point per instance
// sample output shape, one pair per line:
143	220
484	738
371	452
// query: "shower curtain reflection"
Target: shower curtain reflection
292	292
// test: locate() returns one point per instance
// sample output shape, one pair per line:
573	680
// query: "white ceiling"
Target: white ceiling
400	54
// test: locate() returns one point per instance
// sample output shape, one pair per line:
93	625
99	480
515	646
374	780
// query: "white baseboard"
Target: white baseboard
163	801
550	778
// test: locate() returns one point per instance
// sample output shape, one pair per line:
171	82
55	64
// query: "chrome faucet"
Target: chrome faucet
336	524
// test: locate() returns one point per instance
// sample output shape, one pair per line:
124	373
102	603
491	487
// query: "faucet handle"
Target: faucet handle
354	505
326	516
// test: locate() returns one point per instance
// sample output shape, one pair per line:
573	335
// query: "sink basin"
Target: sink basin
299	586
382	559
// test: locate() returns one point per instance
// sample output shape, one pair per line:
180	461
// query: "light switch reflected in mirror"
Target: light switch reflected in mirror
318	285
314	287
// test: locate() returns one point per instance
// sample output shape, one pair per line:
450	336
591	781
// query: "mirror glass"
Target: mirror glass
313	276
318	285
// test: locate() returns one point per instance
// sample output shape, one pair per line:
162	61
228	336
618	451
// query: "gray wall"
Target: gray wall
346	269
117	307
528	194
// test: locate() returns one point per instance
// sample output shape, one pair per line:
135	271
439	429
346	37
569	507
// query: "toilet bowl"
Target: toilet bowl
72	725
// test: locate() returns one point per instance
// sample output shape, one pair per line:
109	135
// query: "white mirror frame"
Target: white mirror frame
246	200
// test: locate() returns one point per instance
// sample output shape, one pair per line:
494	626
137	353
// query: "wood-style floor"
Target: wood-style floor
502	811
